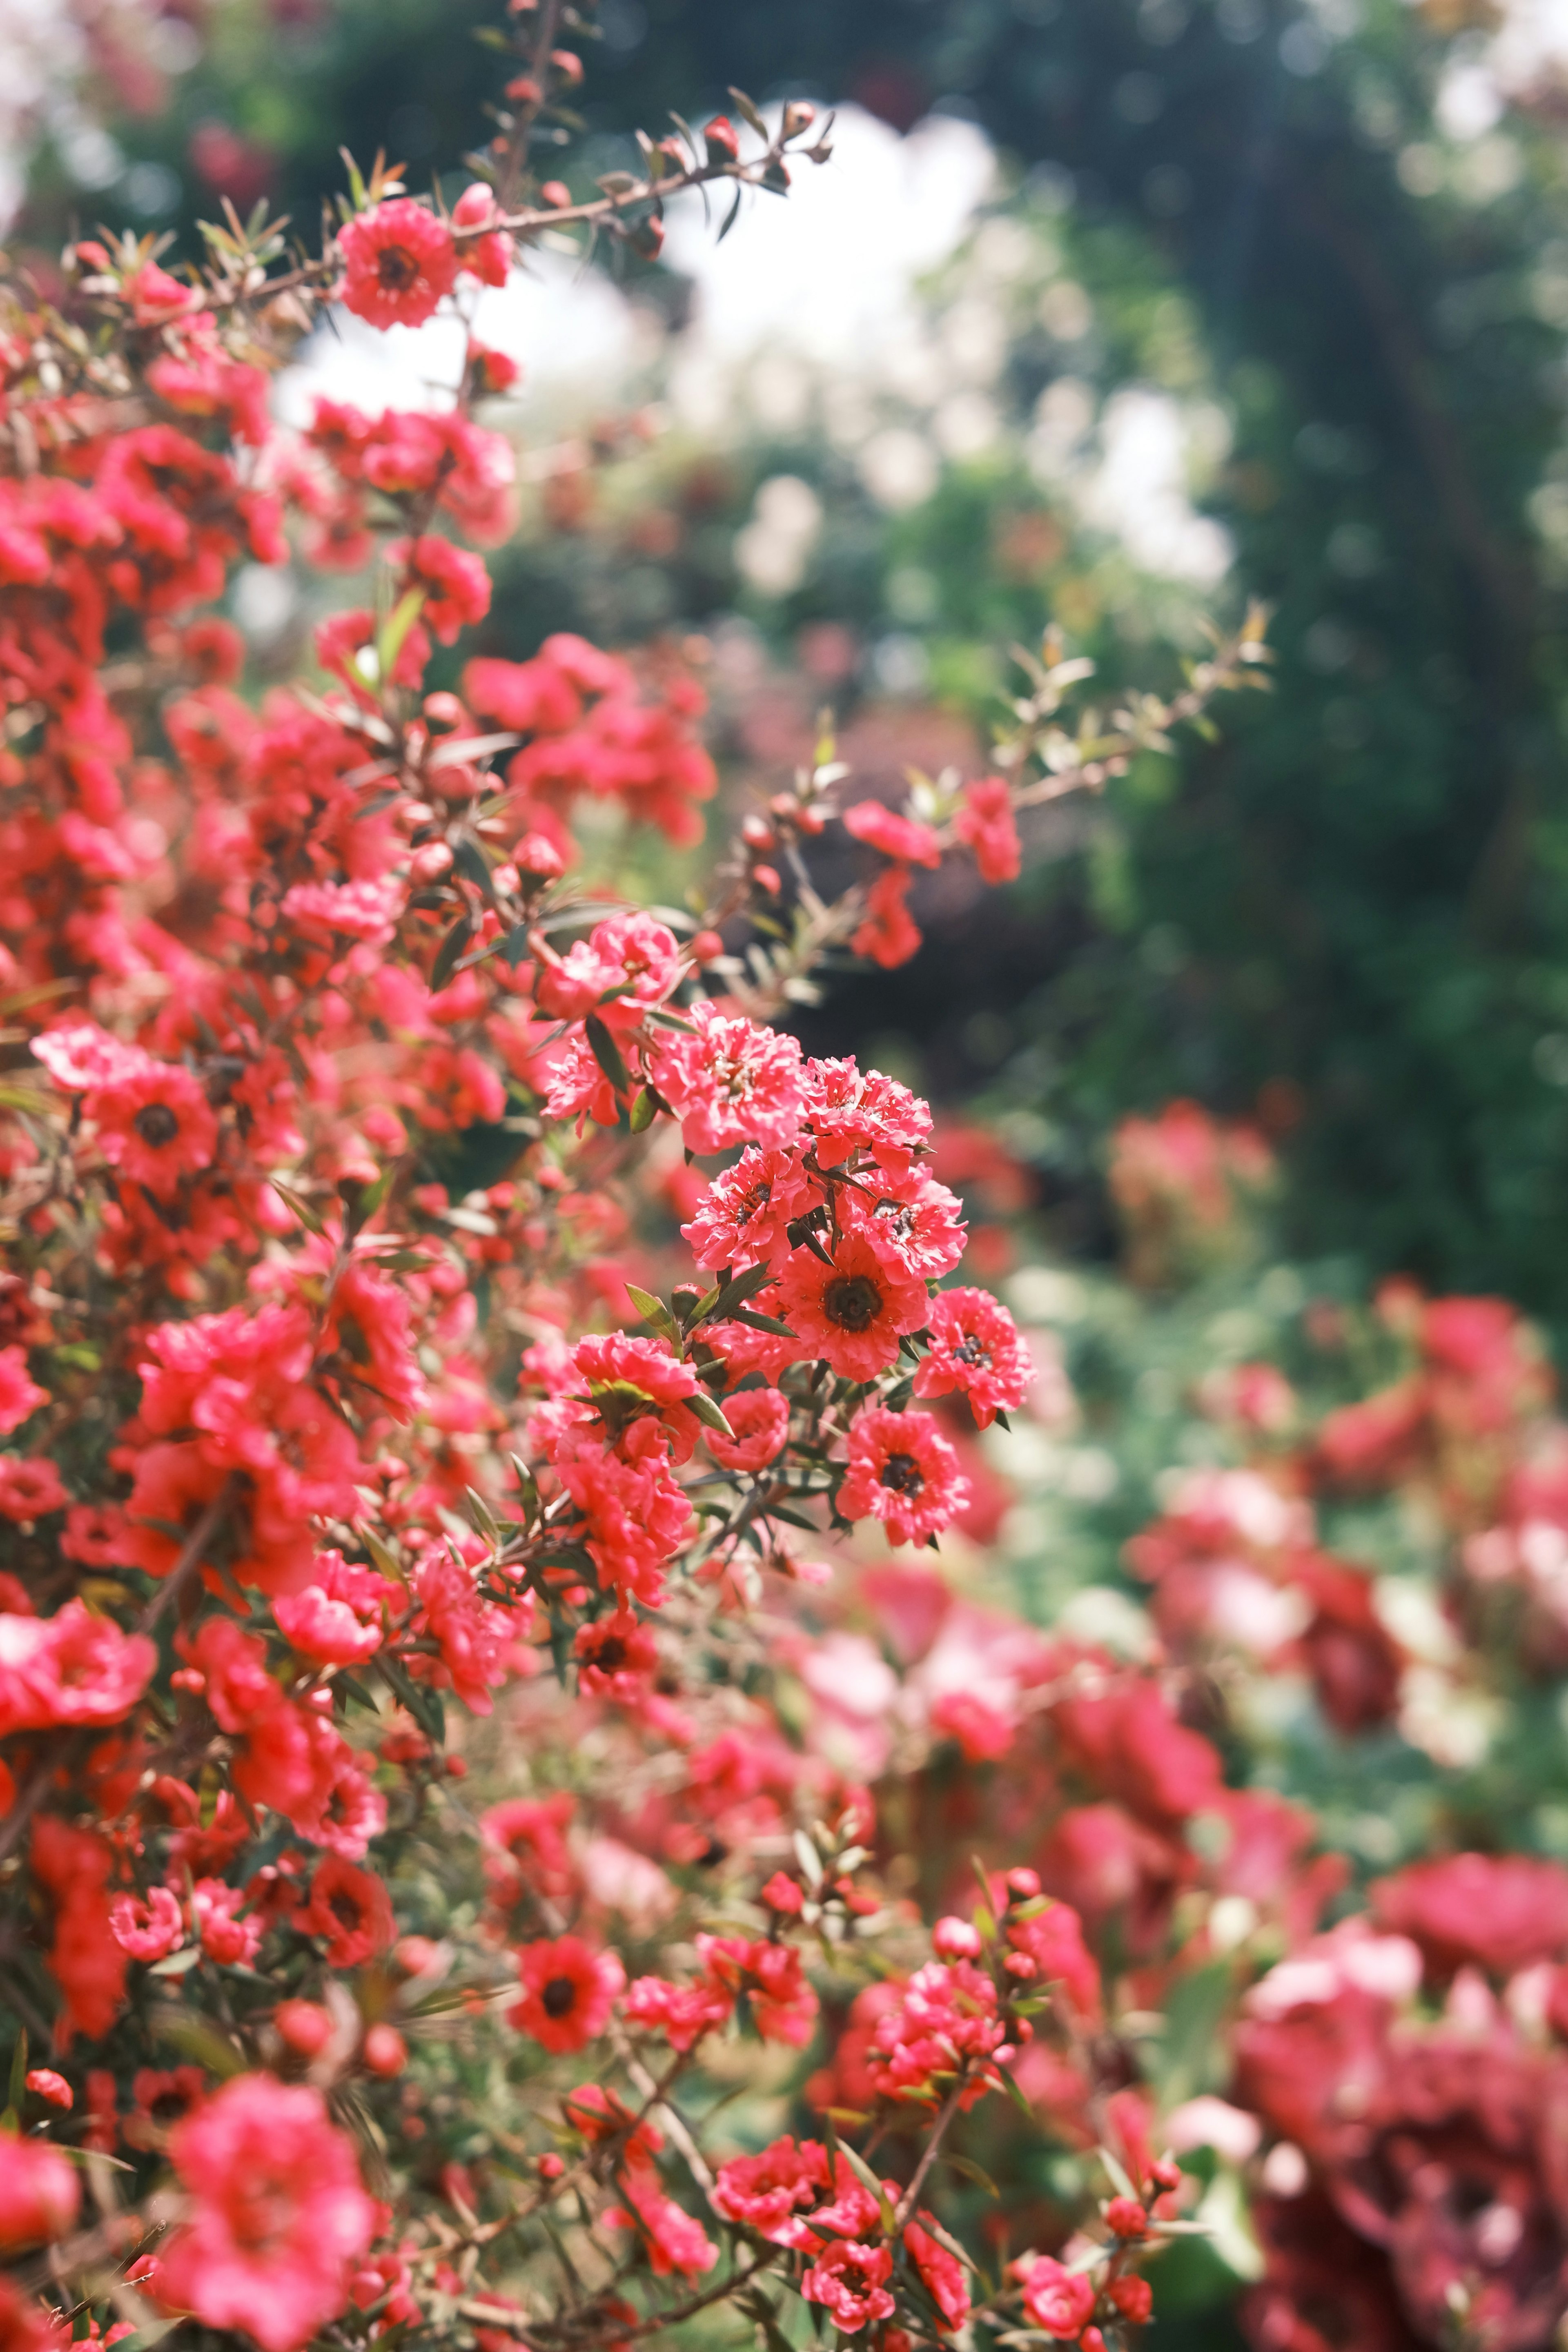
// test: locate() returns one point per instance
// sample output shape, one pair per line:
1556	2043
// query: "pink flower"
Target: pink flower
730	1081
19	1395
72	1667
903	1472
39	2191
974	1348
279	2217
760	1419
770	2192
986	823
150	1930
742	1217
850	2279
569	1990
852	1311
45	2083
398	262
942	2274
337	1621
1058	2301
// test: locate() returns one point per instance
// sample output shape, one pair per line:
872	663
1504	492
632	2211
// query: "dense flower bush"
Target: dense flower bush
336	1426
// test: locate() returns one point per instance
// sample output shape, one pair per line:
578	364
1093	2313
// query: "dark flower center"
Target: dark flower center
903	1474
754	1201
852	1301
156	1123
344	1909
559	1996
396	267
971	1351
610	1655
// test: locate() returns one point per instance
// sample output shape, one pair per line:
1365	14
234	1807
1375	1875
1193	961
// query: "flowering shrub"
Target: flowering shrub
320	1451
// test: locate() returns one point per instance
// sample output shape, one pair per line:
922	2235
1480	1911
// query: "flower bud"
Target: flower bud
723	141
551	2166
705	946
646	237
766	879
556	194
1024	1884
45	2083
568	65
798	116
428	864
1125	2218
385	2051
956	1939
476	207
783	1894
414	1954
524	91
303	2026
757	833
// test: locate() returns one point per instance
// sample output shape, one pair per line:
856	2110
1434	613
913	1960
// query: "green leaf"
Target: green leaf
709	1414
393	634
654	1310
645	1110
975	2172
730	217
177	1964
749	1316
446	955
308	1216
748	111
469	859
199	2042
1014	2093
608	1054
384	1558
513	948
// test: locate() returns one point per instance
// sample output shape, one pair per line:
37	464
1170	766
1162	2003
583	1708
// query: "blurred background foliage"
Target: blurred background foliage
1323	250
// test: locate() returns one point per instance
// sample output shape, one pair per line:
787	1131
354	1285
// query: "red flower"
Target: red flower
1499	1912
674	2241
351	1909
974	1348
398	262
890	935
488	258
942	2274
760	1419
278	2215
616	1656
1058	2301
455	586
902	838
853	1310
903	1472
569	1991
986	823
850	2280
156	1125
